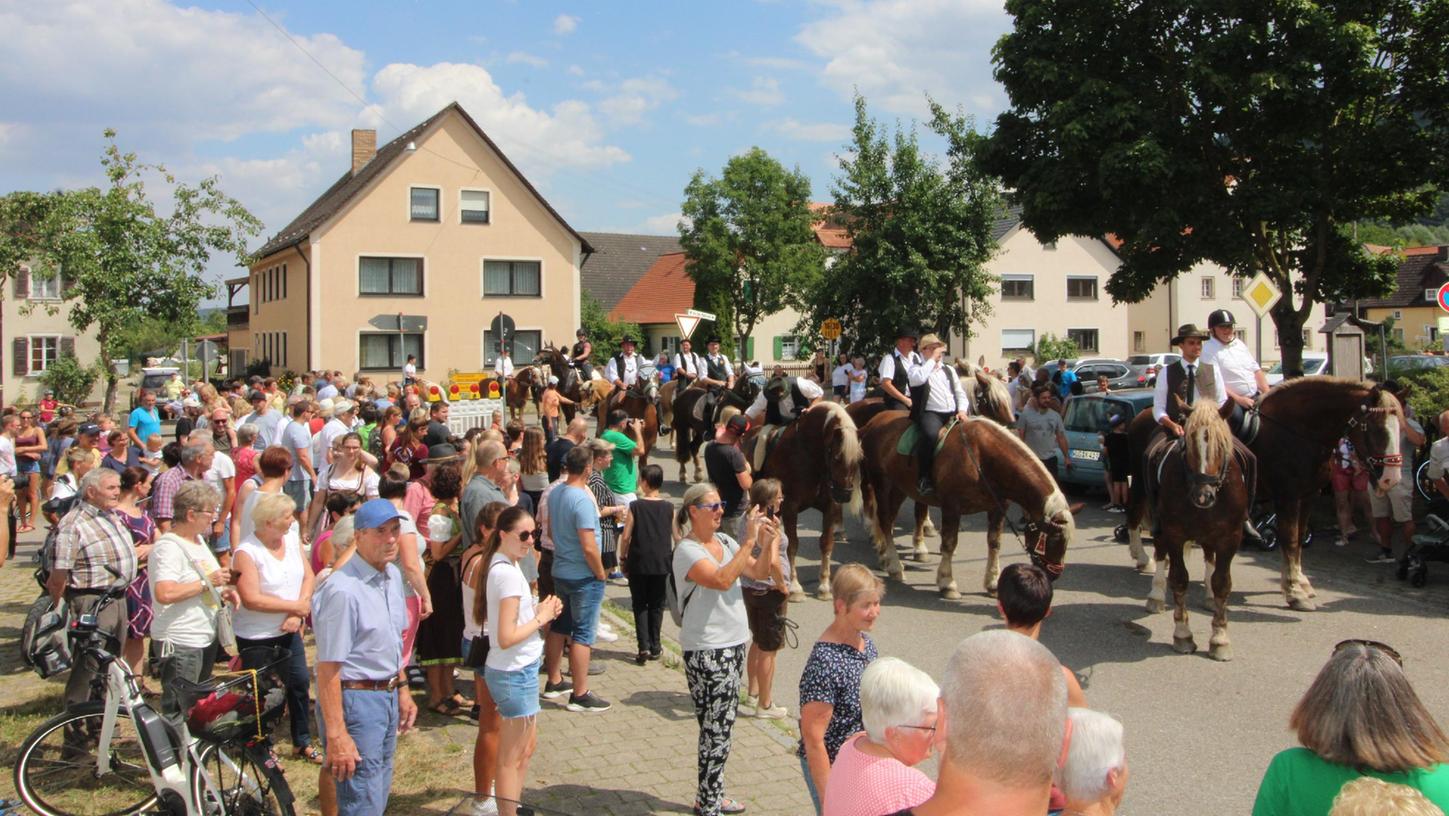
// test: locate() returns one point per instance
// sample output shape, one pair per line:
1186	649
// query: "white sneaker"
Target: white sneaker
604	634
749	707
772	713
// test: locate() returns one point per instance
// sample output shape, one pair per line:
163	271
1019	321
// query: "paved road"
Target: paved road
1199	733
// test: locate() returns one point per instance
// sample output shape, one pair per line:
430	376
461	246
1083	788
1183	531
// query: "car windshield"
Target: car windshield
1090	415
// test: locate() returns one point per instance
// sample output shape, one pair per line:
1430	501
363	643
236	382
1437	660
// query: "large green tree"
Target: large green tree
921	234
1249	133
748	237
123	261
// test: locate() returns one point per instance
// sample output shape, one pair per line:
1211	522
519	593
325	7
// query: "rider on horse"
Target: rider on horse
718	376
579	355
783	399
503	366
688	366
1242	377
624	369
895	370
937	398
1181	385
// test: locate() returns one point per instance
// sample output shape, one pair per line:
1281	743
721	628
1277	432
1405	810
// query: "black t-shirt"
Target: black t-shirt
557	450
184	427
651	547
722	462
437	434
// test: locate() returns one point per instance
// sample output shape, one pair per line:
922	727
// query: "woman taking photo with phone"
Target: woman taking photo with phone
766	603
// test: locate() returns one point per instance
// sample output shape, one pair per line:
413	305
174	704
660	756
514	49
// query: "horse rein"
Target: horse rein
1360	420
1034	545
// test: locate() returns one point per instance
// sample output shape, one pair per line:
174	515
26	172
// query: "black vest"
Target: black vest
578	349
1178	404
772	406
619	366
716	370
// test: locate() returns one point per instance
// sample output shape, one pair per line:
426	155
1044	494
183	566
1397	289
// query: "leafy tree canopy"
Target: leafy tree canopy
748	237
604	333
1249	133
124	261
921	232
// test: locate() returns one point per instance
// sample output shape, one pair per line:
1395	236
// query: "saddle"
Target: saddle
910	441
763	443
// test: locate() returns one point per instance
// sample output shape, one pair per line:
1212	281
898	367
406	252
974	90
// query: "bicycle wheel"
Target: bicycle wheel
247	778
55	773
1423	484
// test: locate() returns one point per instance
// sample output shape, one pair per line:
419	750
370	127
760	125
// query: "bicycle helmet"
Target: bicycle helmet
1220	317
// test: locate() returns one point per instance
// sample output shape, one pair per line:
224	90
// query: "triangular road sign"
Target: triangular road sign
687	324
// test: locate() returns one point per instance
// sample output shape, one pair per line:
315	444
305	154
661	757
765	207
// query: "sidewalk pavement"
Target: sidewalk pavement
636	758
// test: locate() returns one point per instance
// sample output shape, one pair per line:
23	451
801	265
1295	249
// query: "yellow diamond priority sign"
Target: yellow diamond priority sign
1261	294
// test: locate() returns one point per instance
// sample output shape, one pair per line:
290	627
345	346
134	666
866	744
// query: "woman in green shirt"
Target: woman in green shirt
1359	718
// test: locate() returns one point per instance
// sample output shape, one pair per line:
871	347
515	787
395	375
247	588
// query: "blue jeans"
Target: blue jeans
372	722
581	602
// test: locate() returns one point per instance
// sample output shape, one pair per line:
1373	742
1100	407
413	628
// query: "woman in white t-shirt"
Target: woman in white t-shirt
274	579
188	587
514	624
348	473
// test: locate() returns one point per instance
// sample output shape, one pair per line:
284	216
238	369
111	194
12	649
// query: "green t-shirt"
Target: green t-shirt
1300	783
622	474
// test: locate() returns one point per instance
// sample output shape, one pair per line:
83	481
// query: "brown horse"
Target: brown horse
1202	499
522	386
817	460
1301	423
980	467
570	383
690	431
638	405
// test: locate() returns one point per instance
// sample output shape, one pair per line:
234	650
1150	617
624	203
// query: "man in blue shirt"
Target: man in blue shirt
362	690
1064	380
578	578
144	420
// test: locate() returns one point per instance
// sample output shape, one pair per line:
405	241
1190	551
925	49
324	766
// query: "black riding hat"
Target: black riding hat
908	332
713	338
1220	317
627	339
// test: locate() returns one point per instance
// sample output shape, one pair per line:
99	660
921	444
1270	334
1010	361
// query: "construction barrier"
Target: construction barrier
476	413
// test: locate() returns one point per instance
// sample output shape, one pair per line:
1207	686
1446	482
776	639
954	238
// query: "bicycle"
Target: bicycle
118	755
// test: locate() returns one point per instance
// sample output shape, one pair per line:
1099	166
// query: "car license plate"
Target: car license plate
1086	455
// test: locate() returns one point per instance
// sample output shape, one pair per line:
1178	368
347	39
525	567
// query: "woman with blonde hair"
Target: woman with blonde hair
1359	718
707	566
533	464
1367	796
830	681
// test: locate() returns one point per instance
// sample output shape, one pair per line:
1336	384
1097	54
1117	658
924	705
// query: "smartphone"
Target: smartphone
770	513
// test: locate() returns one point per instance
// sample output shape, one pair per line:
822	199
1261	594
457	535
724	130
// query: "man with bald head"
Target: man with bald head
1001	728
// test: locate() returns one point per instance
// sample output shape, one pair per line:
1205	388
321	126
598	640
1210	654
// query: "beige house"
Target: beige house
38	337
1413	305
414	251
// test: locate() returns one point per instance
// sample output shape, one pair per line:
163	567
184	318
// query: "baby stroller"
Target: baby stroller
1431	545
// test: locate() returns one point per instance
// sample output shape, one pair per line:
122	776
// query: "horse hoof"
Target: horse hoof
1145	567
1301	604
990	590
950	594
899	575
797	596
822	594
1154	606
919	555
1184	645
1221	652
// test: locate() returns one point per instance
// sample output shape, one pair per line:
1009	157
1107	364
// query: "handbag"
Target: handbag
225	631
477	652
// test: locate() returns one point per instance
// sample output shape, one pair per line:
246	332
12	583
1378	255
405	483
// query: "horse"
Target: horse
570	383
666	405
980	466
638	405
1301	423
690	431
817	459
1202	498
519	389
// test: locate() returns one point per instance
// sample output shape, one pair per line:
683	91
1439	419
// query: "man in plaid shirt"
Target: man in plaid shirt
91	540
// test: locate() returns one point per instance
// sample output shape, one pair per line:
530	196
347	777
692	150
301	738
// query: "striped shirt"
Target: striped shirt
163	492
91	539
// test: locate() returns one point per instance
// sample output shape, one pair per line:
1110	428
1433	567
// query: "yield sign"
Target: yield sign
687	324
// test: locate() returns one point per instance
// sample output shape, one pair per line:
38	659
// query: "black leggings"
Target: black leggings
257	653
647	594
930	424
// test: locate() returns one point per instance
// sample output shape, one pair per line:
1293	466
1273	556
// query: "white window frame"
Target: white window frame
1005	346
50	285
30	339
1139	341
488	357
483	276
1237	287
1096	289
789	347
1207	287
1028	279
357	274
437	188
357	345
462	209
1095	349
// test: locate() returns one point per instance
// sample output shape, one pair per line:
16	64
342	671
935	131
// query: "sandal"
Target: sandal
309	754
726	805
447	708
460	700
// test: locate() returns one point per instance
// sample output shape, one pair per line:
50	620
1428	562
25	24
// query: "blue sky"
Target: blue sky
607	107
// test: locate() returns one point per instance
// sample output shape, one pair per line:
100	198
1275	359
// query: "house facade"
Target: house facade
413	251
1413	304
38	337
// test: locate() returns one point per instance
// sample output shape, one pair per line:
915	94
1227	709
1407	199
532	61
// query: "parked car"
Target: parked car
1314	362
1120	374
1153	363
151	379
1405	363
1086	420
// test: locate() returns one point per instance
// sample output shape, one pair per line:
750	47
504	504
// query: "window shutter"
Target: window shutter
67	346
22	356
749	348
22	283
779	346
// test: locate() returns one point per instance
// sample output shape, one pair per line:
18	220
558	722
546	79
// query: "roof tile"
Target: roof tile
619	260
662	292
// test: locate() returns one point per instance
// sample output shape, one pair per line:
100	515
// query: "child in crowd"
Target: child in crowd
1024	597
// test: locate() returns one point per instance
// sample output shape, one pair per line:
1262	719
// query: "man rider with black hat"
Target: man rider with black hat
895	370
580	353
624	369
718	374
1242	376
783	400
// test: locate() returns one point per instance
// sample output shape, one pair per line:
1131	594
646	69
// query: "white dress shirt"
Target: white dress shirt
946	391
629	375
887	369
809	389
690	363
503	366
1235	363
1159	393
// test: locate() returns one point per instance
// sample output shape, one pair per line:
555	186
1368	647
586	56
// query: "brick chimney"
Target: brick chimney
364	147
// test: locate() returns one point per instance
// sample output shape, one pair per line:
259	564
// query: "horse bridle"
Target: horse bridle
1196	479
1366	408
1034	543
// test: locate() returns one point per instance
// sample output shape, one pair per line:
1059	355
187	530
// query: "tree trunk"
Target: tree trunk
1289	323
108	403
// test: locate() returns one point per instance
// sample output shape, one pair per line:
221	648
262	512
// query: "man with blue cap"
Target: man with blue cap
362	690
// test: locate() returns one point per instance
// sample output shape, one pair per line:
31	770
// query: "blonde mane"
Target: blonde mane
1056	501
1206	423
850	435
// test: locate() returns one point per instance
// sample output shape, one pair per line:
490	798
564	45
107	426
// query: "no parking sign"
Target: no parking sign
1443	297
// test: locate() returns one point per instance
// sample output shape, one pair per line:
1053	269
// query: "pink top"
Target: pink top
419	502
863	785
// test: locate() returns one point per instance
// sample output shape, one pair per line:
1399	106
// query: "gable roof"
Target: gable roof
619	260
346	188
832	234
662	292
1420	268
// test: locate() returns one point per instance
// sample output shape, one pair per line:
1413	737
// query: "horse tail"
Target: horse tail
682	426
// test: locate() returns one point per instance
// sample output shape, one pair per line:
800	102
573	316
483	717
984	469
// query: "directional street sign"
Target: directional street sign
701	315
1443	297
687	324
1261	294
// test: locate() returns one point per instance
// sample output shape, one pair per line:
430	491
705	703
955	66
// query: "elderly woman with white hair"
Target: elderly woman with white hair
874	771
1094	776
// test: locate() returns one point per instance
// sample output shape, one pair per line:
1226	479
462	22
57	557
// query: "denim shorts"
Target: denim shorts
514	692
26	465
581	601
299	491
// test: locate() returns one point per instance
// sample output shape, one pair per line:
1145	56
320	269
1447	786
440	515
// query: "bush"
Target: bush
1428	392
71	381
1050	349
604	333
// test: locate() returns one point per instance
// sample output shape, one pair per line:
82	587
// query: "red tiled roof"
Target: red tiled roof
1378	249
661	293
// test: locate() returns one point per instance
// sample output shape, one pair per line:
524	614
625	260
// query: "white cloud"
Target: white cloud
565	136
773	63
565	24
703	120
763	91
575	70
897	51
666	224
525	58
633	98
810	131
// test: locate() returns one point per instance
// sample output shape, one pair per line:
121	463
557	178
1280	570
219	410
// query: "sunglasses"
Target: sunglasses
712	506
1370	644
524	535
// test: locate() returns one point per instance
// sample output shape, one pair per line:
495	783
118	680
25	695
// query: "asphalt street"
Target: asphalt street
1199	732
